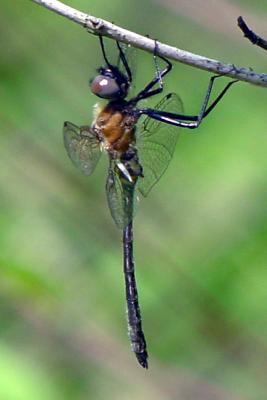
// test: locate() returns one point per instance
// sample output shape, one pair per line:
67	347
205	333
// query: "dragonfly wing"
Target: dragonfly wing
120	197
83	147
156	143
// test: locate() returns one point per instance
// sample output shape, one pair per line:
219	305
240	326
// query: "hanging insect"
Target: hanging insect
138	152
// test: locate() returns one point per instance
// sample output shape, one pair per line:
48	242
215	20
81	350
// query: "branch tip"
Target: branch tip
250	35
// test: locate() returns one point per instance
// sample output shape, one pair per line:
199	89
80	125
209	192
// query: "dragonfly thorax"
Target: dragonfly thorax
115	127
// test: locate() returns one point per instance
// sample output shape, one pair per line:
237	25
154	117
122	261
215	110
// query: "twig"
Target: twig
250	35
98	26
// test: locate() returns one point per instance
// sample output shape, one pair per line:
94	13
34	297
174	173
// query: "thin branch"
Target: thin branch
250	35
98	26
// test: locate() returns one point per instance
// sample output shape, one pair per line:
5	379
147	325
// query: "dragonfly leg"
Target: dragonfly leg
124	61
188	121
104	51
148	91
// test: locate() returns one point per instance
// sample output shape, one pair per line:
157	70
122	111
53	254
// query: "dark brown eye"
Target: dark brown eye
104	86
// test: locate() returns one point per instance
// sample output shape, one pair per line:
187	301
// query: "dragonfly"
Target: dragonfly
139	151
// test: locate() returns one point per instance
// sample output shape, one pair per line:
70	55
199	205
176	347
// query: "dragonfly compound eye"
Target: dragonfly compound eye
105	87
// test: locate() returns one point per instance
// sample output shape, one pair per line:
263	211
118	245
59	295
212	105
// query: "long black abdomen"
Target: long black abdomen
136	334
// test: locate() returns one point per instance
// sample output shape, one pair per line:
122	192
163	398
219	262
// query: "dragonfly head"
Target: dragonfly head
110	83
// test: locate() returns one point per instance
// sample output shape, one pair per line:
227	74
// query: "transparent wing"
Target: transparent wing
120	197
82	146
156	143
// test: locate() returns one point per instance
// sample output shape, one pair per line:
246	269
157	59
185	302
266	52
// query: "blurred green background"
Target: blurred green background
200	237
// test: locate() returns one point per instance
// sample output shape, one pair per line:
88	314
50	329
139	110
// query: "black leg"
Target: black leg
103	51
183	120
216	101
147	92
124	61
